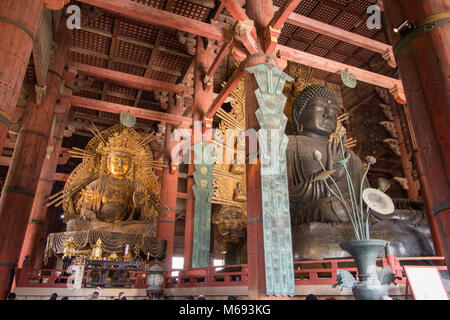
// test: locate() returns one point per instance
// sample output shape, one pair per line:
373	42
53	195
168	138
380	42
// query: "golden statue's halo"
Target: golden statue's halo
115	139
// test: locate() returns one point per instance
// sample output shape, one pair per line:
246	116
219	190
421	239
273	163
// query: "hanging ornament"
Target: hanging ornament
127	119
348	79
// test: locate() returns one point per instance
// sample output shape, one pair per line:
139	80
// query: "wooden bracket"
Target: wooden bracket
271	39
244	29
398	94
390	58
41	91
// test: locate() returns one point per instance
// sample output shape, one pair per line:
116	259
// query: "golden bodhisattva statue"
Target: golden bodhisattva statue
113	194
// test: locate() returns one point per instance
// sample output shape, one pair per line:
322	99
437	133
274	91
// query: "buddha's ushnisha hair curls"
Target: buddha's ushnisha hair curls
309	93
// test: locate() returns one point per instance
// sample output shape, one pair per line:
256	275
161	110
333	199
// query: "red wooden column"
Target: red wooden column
19	22
424	65
261	12
169	183
23	174
34	243
203	97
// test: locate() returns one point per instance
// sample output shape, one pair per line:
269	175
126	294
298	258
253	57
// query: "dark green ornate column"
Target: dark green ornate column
203	192
279	263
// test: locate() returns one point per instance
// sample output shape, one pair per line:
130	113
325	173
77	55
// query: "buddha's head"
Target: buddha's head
314	112
119	163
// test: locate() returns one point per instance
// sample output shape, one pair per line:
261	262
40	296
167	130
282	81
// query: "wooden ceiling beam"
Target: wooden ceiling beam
334	66
226	90
343	35
283	13
111	107
163	18
149	67
219	58
129	80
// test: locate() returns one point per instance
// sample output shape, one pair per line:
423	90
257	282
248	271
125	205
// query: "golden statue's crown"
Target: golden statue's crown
124	142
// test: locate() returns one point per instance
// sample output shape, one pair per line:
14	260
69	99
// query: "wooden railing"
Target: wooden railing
234	275
49	278
321	272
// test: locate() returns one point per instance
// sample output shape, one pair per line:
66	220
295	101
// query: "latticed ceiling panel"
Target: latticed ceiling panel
346	48
169	39
104	22
364	31
363	54
88	59
305	35
140	31
317	51
127	68
162	76
354	62
299	45
170	61
306	7
346	21
91	41
132	52
324	13
88	94
83	110
325	42
119	100
341	2
336	56
191	10
359	6
123	90
151	3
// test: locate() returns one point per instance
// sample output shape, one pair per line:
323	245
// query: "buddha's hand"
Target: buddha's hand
334	154
89	215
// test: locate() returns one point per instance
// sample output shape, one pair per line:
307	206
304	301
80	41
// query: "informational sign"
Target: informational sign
425	283
76	278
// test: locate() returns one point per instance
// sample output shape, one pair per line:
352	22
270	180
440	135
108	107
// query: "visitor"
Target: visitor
122	296
201	297
11	296
94	295
232	298
65	298
53	296
311	297
190	298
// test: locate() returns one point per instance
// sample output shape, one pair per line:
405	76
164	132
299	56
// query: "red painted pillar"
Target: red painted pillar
169	184
203	97
19	22
424	65
23	174
35	236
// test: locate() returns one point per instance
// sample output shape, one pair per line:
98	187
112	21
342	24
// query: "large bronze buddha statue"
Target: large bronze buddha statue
318	219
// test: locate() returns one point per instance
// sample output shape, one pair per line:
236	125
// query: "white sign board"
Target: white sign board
76	279
426	283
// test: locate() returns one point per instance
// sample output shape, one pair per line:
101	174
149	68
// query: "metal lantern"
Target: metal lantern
155	279
69	249
97	250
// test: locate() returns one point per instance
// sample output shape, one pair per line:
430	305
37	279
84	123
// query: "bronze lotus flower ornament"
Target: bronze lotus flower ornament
357	211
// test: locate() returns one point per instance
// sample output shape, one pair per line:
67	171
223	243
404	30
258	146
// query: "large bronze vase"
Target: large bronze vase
365	253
